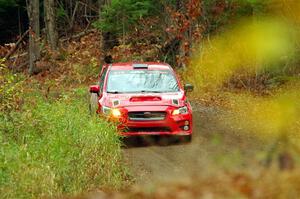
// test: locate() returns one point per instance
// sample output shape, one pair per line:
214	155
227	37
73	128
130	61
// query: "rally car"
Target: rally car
143	99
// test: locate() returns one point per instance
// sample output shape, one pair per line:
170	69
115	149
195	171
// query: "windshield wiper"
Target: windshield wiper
149	91
141	91
114	92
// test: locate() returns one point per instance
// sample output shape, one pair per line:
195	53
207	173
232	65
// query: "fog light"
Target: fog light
116	113
186	122
176	112
186	128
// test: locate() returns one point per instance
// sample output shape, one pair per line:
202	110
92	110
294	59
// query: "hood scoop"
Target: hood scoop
144	98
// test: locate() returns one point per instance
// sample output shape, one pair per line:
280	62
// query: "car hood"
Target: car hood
175	99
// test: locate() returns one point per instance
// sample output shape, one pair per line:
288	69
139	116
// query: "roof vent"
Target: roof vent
140	66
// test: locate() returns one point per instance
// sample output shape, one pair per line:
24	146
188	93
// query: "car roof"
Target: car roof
131	65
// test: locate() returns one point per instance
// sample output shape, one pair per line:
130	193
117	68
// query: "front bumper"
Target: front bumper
170	125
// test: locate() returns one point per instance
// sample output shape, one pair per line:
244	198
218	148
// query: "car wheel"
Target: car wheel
93	105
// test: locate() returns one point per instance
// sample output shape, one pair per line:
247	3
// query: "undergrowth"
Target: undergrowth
54	147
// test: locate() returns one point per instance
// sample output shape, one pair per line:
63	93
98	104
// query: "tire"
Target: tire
93	105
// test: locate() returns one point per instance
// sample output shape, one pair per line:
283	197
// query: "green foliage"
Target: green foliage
4	4
120	15
218	13
61	12
7	3
56	148
10	91
252	7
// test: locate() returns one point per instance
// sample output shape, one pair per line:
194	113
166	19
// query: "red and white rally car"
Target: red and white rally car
145	98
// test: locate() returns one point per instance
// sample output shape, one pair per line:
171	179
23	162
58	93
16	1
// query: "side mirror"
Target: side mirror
95	89
188	87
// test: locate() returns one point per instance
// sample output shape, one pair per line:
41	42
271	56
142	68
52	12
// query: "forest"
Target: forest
240	55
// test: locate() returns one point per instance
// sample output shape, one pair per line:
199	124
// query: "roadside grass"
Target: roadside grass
53	147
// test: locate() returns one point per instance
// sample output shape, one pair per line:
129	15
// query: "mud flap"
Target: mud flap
185	138
93	105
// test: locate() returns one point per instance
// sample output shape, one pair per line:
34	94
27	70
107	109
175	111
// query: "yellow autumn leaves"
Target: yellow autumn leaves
276	115
252	47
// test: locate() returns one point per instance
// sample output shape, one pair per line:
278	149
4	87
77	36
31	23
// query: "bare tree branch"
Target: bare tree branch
7	56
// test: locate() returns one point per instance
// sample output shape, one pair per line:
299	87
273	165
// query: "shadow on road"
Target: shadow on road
153	140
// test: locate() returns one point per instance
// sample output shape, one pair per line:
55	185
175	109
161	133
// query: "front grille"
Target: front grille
147	129
147	115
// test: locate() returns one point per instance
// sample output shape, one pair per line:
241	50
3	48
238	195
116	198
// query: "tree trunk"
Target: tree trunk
34	33
49	9
179	4
108	39
101	3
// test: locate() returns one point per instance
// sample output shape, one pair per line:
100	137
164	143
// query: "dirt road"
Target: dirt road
214	146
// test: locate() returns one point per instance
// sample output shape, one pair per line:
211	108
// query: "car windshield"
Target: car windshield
133	81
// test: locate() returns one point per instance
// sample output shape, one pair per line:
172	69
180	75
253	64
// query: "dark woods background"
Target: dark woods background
130	29
13	20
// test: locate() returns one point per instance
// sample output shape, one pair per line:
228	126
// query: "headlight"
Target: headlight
181	110
111	111
116	112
